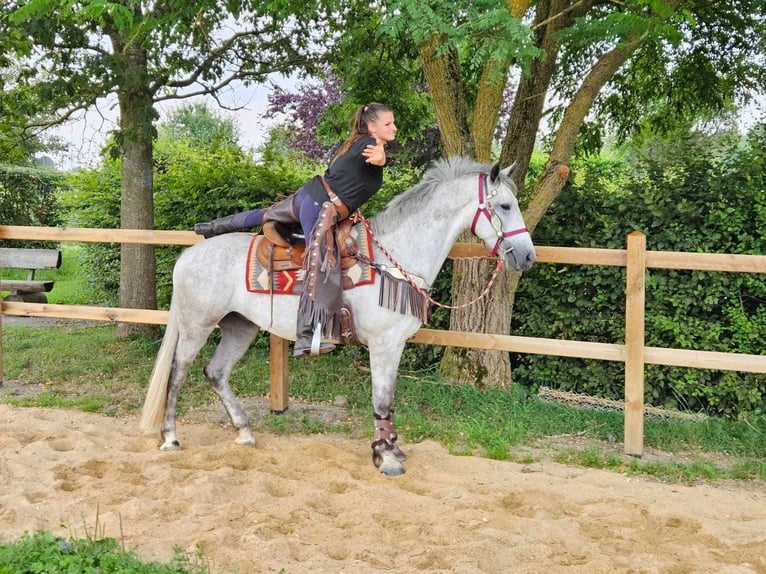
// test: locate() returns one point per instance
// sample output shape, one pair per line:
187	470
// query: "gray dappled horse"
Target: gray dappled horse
417	229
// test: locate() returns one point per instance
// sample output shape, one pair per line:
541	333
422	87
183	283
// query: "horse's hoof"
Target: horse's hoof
387	462
399	454
170	446
245	438
392	471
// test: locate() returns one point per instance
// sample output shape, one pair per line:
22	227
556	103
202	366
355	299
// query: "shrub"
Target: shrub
698	193
44	552
28	196
190	185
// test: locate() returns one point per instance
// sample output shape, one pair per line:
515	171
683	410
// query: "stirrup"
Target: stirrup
317	346
300	351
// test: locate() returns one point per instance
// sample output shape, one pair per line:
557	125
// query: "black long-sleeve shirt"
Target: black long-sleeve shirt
350	177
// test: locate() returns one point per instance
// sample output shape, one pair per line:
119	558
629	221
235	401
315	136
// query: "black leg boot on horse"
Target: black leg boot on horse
244	221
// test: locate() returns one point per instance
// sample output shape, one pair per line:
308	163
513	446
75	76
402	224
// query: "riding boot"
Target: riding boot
305	336
219	226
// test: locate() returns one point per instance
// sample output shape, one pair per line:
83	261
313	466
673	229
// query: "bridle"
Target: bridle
486	209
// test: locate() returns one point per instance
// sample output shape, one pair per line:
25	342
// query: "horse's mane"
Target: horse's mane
412	200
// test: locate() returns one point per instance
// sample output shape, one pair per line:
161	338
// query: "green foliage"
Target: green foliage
192	183
43	552
73	50
374	66
483	29
199	126
28	196
693	193
699	64
199	184
92	199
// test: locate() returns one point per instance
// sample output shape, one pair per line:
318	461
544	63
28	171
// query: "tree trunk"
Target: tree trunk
527	110
443	77
476	366
485	368
556	169
488	101
493	314
137	262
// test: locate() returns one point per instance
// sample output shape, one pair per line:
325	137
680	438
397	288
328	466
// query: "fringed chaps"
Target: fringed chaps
321	300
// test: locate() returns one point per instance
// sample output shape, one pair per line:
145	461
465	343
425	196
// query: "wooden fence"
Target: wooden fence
634	353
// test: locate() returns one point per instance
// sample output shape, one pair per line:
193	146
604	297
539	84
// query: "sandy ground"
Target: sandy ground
304	504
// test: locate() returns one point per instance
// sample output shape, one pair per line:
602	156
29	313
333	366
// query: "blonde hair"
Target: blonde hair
359	125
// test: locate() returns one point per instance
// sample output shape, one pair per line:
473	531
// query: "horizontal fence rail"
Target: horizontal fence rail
636	259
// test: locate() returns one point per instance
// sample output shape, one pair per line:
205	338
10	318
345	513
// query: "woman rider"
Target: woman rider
354	175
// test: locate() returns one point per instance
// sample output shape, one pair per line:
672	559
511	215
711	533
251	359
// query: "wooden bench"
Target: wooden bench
28	290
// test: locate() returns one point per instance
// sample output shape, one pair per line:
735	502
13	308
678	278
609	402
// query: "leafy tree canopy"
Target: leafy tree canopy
697	61
76	52
199	126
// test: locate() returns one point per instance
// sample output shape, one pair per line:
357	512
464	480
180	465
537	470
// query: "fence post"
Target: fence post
278	393
2	375
635	297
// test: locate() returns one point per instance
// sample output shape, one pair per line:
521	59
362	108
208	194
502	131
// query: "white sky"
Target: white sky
85	135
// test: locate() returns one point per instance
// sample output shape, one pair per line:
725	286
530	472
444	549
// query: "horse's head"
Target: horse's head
498	221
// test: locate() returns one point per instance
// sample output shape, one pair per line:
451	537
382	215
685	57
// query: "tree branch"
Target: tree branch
556	169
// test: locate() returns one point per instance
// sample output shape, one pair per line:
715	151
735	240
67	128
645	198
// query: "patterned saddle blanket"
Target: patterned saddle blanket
278	269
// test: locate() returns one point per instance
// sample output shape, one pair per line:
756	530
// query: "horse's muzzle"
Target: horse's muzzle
519	258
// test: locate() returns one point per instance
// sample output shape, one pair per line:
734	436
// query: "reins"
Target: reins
484	209
424	292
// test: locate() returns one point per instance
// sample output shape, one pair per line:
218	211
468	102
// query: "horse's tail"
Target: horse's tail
153	412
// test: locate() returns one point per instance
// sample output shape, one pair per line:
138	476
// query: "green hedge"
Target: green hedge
190	185
28	196
697	194
193	184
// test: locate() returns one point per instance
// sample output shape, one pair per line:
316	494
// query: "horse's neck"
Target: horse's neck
420	242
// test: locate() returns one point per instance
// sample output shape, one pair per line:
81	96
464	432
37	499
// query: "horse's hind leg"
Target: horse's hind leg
186	351
237	333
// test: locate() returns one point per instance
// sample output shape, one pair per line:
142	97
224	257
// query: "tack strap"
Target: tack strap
486	209
340	207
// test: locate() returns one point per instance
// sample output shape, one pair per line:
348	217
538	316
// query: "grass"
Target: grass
505	425
44	552
60	363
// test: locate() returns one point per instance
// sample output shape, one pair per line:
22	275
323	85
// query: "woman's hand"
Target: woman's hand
375	154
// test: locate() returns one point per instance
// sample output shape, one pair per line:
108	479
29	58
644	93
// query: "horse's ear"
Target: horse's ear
494	173
510	169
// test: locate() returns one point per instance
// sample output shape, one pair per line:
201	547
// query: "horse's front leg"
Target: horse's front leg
384	364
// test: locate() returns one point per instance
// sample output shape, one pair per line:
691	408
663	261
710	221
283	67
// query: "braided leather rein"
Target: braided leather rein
425	292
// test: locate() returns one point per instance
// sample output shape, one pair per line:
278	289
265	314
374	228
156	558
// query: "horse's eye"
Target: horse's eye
505	206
